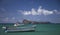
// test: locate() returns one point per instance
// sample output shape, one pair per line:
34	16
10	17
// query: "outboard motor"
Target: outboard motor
5	28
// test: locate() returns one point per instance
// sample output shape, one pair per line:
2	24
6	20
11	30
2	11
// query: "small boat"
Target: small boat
21	29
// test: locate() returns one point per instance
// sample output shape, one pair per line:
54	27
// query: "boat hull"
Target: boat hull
21	29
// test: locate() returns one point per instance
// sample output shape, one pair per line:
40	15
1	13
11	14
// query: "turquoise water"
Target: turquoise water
42	29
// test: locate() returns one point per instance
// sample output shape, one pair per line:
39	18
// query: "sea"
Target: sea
41	29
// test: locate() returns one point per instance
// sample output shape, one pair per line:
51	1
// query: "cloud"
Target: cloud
39	11
26	12
33	12
56	12
47	12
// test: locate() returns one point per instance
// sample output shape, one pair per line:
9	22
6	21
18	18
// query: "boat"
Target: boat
20	28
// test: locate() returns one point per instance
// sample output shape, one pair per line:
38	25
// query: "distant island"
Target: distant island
35	22
25	21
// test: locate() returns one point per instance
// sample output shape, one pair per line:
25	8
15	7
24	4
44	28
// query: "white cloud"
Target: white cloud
26	12
39	11
33	12
47	12
56	12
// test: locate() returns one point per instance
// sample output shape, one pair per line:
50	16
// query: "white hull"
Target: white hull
32	28
20	30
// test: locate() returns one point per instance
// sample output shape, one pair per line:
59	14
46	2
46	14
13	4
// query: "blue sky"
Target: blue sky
35	10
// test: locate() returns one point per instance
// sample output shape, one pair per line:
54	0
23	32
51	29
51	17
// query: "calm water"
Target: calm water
42	29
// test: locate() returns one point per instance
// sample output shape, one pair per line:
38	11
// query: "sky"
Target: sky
12	11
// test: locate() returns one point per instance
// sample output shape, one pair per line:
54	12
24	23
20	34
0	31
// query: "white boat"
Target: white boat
17	27
21	29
